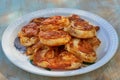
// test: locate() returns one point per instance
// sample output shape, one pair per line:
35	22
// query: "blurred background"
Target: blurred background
10	10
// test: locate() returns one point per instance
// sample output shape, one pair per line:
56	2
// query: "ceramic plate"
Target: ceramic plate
107	35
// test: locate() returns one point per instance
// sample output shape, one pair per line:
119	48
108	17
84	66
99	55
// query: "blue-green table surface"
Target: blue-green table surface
10	10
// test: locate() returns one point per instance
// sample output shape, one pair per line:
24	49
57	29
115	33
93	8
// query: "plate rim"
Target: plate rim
61	75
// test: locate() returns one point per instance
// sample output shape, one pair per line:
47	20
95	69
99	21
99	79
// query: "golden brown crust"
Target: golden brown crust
82	49
54	38
53	34
47	58
29	30
54	23
38	21
95	42
80	28
80	23
34	48
57	20
81	33
60	42
28	41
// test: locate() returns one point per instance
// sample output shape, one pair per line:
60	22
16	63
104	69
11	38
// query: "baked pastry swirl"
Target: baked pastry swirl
60	42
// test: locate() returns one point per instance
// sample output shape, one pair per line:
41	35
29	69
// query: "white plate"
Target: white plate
107	35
